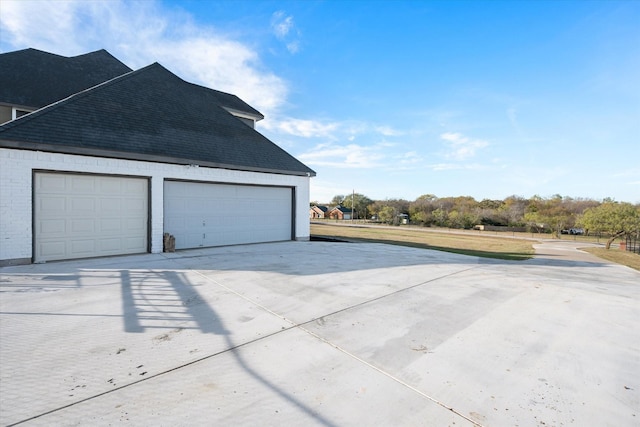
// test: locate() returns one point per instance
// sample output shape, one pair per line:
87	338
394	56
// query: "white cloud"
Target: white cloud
281	24
349	130
380	156
344	156
38	24
462	147
456	166
140	33
409	158
284	29
200	60
387	131
303	128
293	47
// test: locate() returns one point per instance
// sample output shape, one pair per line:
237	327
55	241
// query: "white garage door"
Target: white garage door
202	214
81	216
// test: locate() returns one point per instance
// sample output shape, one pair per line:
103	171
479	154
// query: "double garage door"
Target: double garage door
205	214
83	215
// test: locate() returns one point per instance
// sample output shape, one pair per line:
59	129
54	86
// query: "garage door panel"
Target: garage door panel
52	204
79	247
134	244
82	204
134	186
110	187
52	183
80	216
134	225
110	245
134	206
111	204
112	225
201	214
83	226
82	184
52	250
53	227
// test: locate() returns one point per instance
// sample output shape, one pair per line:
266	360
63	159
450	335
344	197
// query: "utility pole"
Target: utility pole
353	196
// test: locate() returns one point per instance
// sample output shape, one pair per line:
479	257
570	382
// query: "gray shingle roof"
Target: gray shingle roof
150	114
33	78
342	209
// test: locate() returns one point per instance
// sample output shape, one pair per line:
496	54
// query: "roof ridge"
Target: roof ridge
33	49
50	107
40	51
101	54
91	53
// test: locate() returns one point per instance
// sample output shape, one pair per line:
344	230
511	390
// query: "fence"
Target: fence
633	243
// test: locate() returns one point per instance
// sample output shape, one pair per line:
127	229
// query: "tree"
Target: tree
388	210
337	199
548	213
359	203
615	219
513	210
388	214
440	218
488	212
421	209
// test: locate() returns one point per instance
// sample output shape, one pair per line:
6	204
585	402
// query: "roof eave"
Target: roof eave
244	114
82	151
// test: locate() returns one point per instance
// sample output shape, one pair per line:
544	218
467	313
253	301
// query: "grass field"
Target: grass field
461	242
620	257
468	244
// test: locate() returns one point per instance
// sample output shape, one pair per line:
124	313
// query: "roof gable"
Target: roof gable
150	114
33	78
233	104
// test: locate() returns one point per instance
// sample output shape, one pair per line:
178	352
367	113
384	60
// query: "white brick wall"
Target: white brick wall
16	172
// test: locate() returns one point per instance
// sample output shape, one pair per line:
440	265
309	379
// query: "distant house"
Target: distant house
340	212
318	212
97	159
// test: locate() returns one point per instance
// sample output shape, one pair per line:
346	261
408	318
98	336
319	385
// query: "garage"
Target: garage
201	214
84	215
85	175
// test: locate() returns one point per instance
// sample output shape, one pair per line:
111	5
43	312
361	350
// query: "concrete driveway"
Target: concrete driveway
320	333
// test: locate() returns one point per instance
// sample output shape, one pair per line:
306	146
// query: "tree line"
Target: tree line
537	214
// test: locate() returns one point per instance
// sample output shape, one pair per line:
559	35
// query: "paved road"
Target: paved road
320	333
550	250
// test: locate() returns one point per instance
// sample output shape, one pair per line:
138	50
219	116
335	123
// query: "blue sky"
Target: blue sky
396	99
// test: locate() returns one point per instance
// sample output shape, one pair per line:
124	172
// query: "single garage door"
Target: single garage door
204	214
82	216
